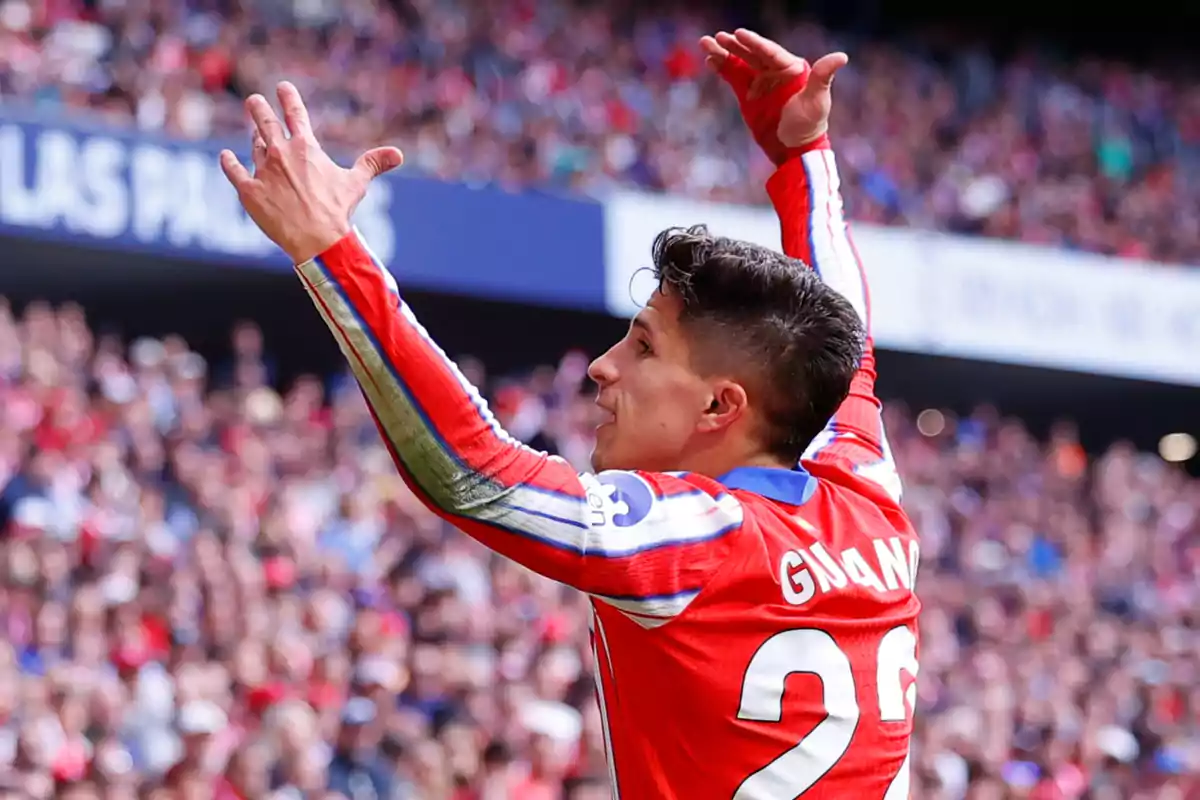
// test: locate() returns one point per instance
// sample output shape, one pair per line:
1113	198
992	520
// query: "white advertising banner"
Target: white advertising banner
958	296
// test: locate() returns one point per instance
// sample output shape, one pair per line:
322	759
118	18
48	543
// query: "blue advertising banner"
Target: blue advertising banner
96	187
62	181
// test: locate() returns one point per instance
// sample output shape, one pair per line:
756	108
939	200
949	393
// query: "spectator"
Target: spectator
1086	154
201	628
356	761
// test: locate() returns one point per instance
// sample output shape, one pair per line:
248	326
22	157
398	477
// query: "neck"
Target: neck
717	461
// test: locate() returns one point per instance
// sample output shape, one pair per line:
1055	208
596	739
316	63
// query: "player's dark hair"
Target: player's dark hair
769	320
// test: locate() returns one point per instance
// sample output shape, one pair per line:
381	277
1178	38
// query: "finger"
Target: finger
295	113
265	120
735	48
238	175
766	53
373	163
826	68
258	148
715	54
738	74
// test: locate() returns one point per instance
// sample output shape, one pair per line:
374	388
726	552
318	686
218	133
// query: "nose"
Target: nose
603	370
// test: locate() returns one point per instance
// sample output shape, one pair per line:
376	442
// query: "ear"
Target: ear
728	402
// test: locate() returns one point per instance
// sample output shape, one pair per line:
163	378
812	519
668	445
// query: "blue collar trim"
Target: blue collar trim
792	486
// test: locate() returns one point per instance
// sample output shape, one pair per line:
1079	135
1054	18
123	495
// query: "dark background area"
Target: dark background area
1150	31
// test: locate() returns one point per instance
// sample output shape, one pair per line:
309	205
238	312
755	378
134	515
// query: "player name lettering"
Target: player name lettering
805	571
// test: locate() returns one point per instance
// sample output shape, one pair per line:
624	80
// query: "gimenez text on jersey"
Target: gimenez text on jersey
806	571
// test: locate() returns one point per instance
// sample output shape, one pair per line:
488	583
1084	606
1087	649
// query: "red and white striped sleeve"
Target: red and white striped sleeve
806	193
644	543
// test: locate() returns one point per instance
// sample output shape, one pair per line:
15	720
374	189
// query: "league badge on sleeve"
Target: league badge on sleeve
621	499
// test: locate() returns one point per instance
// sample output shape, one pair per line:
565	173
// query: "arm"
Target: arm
806	196
643	542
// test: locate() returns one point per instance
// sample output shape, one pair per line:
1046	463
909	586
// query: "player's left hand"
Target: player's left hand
784	100
297	195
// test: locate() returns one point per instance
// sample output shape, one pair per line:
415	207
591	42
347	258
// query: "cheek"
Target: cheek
667	408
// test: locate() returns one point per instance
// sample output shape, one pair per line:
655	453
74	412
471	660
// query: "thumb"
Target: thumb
826	67
373	163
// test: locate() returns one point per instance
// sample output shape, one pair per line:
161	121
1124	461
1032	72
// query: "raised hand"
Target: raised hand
297	195
784	101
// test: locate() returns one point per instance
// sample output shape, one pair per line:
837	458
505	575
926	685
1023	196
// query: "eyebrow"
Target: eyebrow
639	322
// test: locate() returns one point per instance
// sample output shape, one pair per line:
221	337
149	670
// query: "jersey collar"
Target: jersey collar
792	486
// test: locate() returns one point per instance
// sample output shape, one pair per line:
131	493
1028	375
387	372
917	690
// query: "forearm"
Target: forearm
444	440
806	193
450	449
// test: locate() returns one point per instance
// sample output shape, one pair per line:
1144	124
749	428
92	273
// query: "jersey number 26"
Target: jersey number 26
814	652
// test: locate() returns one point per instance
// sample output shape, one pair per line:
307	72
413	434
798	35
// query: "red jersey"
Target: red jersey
755	635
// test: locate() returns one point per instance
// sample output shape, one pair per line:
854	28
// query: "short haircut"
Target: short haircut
768	321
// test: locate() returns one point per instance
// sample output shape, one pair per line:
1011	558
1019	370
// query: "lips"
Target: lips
604	416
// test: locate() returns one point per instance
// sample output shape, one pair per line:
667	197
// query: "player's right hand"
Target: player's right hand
784	101
297	195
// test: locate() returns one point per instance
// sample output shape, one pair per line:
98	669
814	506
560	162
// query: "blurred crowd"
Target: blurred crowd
212	589
1075	152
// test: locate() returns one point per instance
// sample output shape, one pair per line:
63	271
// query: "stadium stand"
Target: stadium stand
213	584
1045	148
216	590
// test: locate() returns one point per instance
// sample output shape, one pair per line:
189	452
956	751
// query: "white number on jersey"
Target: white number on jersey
814	652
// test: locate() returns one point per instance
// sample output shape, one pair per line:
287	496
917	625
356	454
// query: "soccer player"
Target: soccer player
750	568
